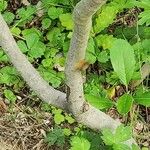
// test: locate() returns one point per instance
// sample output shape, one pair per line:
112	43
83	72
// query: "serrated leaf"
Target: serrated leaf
98	102
103	57
121	146
104	20
79	143
54	12
66	21
143	98
123	60
124	104
55	137
59	118
122	134
108	137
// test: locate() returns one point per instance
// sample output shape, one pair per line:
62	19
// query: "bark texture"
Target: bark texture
83	112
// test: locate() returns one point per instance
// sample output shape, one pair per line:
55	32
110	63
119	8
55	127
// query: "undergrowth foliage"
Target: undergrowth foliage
116	52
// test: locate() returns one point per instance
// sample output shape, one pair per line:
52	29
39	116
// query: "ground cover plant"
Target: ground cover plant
115	70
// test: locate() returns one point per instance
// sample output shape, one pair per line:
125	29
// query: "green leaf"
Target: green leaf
103	57
16	31
32	39
9	76
66	21
124	104
121	146
47	63
59	118
22	46
69	119
3	57
104	20
25	14
56	136
8	17
145	18
10	95
105	41
108	136
135	147
143	98
67	132
54	12
46	23
3	5
37	50
123	60
90	52
27	32
79	143
98	102
122	134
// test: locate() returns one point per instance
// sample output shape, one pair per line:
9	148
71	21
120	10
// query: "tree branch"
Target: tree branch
84	112
27	71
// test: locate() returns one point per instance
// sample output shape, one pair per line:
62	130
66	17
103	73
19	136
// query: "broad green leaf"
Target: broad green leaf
16	31
47	62
145	18
104	20
90	52
22	46
59	118
108	136
66	21
124	104
120	146
54	36
79	143
3	5
9	76
69	119
67	131
10	95
3	57
103	57
98	102
143	98
123	134
46	23
105	41
135	147
27	32
8	17
32	39
56	136
54	12
123	60
37	50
